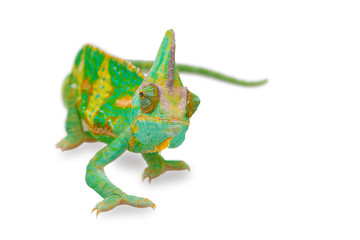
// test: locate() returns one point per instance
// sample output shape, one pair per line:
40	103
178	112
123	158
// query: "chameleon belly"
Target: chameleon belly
105	88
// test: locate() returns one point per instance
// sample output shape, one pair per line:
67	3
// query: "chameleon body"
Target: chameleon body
110	100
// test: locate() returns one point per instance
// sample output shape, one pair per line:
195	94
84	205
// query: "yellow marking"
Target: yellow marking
129	65
172	120
124	102
162	145
135	128
101	91
138	72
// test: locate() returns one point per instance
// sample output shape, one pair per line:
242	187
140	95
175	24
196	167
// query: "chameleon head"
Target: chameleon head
163	105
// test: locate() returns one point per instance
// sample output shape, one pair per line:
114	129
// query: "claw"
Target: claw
144	176
153	206
97	211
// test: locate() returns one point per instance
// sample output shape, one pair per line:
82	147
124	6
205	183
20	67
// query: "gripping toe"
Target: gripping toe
115	200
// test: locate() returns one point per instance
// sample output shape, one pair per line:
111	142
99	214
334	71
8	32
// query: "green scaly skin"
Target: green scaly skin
110	100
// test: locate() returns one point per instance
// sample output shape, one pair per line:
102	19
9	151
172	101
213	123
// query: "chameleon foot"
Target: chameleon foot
72	141
158	169
115	200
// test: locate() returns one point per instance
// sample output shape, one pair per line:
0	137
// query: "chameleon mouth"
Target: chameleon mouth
156	119
155	130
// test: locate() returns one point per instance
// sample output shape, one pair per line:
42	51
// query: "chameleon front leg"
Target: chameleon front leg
97	180
157	165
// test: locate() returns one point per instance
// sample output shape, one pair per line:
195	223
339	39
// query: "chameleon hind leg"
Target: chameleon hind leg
97	180
157	165
75	133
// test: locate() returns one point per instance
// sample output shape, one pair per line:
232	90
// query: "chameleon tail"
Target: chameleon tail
146	65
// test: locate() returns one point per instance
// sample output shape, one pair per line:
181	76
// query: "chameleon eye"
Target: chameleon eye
148	99
192	104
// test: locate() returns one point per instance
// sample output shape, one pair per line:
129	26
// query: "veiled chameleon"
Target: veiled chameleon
110	100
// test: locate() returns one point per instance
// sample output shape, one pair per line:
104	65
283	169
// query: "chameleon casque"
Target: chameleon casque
110	100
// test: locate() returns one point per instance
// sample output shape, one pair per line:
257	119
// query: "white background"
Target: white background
279	161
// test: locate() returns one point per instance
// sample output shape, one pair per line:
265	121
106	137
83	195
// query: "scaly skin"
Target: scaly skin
157	165
110	100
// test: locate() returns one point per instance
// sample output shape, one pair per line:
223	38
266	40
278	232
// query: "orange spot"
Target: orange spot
124	102
86	84
134	128
163	145
132	142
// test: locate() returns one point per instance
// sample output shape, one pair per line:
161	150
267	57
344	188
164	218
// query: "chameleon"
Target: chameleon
108	99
